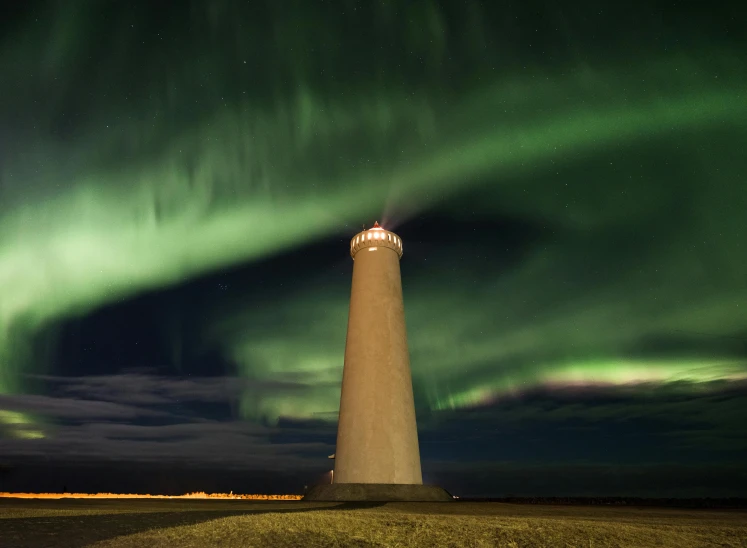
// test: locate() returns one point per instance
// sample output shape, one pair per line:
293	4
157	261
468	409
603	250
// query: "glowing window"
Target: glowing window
369	236
357	238
372	248
389	237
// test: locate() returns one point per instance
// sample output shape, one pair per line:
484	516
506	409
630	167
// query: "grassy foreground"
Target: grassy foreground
118	523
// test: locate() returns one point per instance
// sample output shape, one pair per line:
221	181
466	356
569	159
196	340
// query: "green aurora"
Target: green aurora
634	168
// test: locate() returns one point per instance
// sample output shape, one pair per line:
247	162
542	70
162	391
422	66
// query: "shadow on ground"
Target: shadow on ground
79	530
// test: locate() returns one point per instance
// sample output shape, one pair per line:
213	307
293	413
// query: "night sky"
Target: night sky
179	182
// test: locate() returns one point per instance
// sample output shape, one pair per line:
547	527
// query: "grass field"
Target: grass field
117	523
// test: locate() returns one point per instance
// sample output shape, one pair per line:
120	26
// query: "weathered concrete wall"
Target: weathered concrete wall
377	440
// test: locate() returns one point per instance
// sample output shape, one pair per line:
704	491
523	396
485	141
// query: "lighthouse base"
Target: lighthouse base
377	492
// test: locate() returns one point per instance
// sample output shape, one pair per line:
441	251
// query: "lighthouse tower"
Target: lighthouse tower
377	455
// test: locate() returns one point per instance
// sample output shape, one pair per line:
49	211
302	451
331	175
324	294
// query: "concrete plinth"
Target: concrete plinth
377	492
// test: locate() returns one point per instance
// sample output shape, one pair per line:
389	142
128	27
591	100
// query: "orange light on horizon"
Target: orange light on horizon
196	495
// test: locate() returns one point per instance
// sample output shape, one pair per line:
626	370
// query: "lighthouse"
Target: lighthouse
377	455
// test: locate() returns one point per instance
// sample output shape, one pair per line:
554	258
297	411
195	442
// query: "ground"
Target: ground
118	523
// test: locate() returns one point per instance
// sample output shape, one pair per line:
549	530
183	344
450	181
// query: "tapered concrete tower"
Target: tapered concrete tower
377	455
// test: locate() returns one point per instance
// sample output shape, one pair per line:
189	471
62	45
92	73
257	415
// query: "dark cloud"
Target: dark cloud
226	444
75	409
141	419
142	389
85	431
612	426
